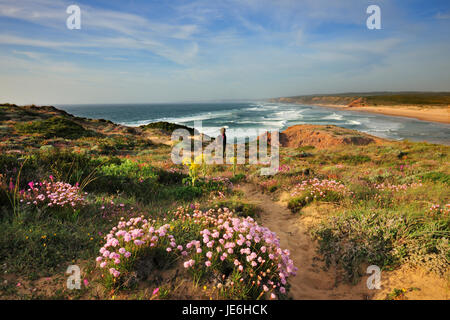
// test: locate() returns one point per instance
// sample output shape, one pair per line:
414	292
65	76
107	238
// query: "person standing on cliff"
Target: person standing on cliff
224	140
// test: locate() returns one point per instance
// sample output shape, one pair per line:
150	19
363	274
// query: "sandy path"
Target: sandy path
312	281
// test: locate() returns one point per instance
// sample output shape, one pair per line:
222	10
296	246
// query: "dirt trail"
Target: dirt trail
312	281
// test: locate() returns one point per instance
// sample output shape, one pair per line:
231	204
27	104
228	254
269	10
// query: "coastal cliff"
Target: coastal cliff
436	99
427	106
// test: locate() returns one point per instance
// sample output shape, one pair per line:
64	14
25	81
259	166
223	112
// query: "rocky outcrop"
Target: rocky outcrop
323	137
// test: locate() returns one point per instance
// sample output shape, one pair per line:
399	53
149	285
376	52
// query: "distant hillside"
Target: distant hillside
25	128
42	127
434	99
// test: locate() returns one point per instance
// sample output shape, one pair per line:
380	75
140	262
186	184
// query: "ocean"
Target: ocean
261	115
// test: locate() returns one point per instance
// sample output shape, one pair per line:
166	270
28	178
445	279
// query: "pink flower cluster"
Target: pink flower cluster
53	194
223	239
438	210
126	241
284	168
253	250
319	188
397	187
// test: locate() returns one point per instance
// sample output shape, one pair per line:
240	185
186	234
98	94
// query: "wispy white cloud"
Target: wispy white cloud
129	29
211	49
29	54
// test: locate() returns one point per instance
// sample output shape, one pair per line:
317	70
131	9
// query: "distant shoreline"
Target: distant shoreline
425	106
432	114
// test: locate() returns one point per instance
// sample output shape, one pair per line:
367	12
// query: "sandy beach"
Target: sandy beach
433	114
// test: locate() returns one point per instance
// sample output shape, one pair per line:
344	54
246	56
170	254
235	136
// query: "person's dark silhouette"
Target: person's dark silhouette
224	140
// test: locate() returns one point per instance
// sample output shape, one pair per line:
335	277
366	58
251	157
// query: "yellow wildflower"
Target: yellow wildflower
186	161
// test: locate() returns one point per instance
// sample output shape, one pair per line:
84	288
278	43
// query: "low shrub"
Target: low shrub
240	208
182	193
55	127
129	169
297	203
36	247
436	177
316	189
384	238
167	127
240	177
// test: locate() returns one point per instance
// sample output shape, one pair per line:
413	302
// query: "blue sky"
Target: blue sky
154	51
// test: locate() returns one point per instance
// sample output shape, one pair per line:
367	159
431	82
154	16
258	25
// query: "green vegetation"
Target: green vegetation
385	238
167	127
54	127
40	240
391	209
386	204
241	208
436	177
410	99
297	203
40	246
352	159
